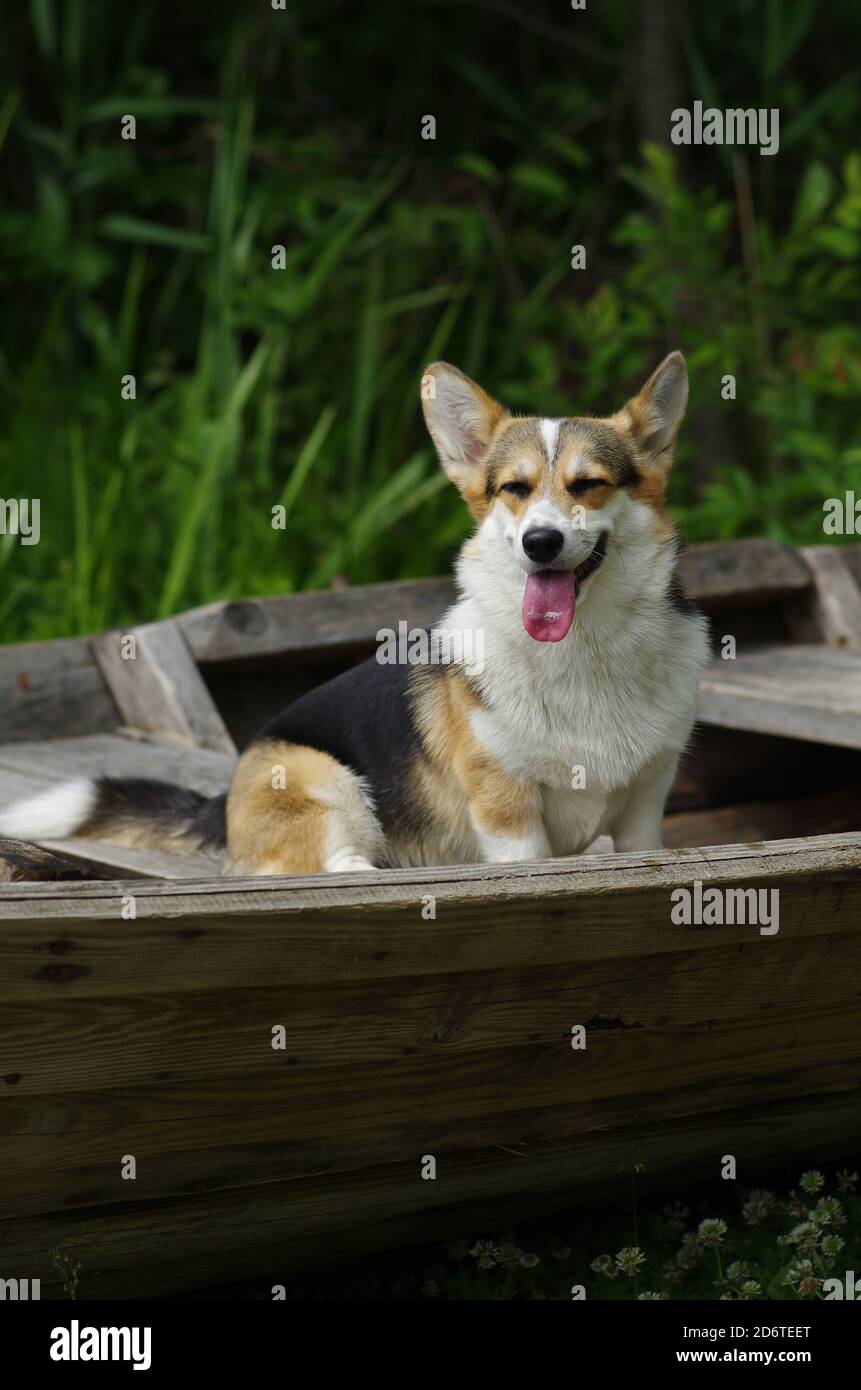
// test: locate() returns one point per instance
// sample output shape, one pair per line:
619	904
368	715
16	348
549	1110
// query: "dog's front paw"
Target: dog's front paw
348	863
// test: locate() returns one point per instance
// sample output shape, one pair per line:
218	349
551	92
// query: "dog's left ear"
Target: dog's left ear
652	417
461	419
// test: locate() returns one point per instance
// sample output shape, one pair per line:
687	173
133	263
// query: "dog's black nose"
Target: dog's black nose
542	543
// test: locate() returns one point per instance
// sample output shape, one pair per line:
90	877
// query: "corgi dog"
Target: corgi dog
571	724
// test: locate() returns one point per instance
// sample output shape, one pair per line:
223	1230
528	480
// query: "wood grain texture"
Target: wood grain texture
34	764
160	690
404	1037
294	1125
51	688
182	1038
831	612
823	813
753	572
144	1249
311	622
115	861
803	691
852	555
608	875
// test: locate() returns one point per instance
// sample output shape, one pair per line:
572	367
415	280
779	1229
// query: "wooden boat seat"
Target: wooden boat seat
800	690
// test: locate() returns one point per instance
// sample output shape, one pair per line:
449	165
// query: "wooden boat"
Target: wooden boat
426	1014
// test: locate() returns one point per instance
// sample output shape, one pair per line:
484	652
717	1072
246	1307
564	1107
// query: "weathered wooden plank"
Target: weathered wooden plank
609	873
751	572
159	689
140	1249
34	764
401	885
823	813
852	555
311	622
293	1124
612	873
50	688
16	784
804	691
293	932
831	612
135	863
182	1038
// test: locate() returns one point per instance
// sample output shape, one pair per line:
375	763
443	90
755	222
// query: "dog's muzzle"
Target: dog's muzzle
550	596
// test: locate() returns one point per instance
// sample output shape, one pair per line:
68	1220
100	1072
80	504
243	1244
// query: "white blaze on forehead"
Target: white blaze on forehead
549	431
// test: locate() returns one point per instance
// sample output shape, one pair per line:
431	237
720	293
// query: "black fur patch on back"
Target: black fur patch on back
130	801
211	821
364	719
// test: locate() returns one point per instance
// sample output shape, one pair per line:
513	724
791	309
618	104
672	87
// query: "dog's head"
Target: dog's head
555	495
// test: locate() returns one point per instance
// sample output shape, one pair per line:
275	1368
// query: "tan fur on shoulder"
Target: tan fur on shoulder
474	786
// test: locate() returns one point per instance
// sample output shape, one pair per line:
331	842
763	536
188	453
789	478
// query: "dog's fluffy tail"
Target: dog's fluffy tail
138	812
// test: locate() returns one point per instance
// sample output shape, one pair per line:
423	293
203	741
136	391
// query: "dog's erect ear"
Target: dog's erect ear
652	417
461	419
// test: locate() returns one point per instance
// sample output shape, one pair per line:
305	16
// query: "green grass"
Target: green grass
259	389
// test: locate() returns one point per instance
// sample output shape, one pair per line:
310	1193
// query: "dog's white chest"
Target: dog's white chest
584	729
586	717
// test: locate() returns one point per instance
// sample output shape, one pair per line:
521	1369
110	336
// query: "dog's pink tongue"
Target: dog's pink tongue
548	604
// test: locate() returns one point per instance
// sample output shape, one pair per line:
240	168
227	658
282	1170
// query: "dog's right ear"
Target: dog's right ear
461	419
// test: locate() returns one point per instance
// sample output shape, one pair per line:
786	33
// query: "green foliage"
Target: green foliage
761	1247
68	1271
299	387
771	1249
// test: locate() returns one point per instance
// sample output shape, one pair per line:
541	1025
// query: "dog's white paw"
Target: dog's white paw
348	863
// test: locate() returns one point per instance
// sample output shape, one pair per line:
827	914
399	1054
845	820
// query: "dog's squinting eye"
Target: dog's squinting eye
581	485
516	489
